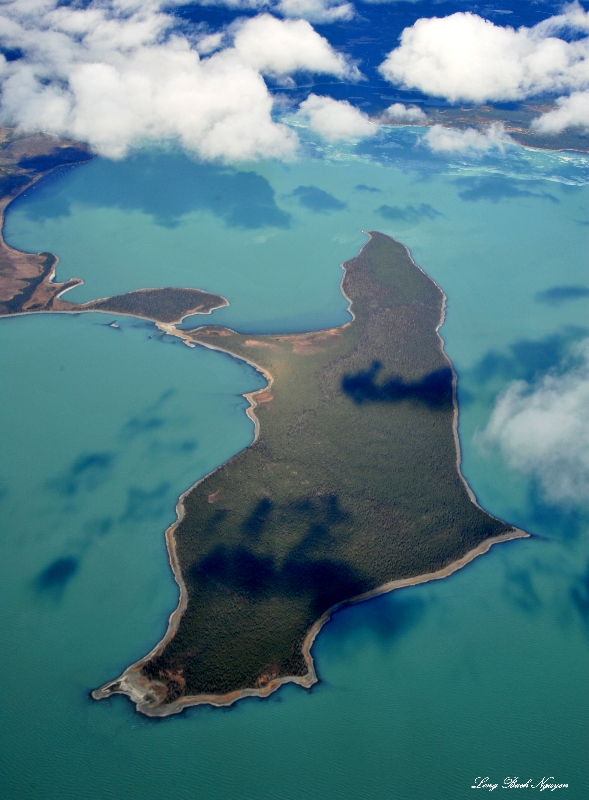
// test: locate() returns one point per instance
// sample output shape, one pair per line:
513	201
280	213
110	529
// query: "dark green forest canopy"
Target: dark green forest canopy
352	483
161	305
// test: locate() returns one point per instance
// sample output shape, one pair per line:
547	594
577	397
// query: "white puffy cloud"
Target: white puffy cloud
543	430
210	42
117	73
237	5
313	10
335	119
280	47
464	57
571	112
316	10
450	140
399	112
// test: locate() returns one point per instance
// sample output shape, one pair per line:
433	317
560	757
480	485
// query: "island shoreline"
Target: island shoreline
123	686
75	311
128	682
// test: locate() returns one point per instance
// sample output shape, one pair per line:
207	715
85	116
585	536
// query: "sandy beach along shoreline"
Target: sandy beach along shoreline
130	682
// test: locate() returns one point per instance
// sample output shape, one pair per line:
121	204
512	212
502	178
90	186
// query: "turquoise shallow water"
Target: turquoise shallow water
421	691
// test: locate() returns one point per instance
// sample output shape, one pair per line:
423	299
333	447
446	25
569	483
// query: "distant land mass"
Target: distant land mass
27	280
352	487
517	119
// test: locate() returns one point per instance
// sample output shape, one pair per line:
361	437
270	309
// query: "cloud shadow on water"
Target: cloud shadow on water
54	578
557	295
147	504
385	620
556	521
362	187
526	358
183	447
87	472
142	425
496	188
98	528
167	187
434	389
317	200
410	214
520	590
579	594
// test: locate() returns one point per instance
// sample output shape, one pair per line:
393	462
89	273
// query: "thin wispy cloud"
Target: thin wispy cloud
321	11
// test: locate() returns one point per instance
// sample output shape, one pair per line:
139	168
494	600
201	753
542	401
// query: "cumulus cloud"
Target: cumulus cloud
335	119
571	112
117	73
280	47
464	57
450	140
323	11
543	430
237	5
316	10
209	43
399	112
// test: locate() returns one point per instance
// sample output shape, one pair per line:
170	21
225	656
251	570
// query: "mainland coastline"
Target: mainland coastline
27	280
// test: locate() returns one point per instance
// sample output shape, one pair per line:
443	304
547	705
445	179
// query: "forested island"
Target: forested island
351	487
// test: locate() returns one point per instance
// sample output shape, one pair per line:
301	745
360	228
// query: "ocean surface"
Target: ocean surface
422	691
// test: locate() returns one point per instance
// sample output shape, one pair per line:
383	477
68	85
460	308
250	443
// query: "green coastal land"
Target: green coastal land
27	282
351	487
